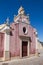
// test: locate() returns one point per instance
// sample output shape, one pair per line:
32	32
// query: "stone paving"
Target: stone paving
34	60
25	61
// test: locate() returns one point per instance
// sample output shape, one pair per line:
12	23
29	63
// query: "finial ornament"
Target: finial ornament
7	21
21	10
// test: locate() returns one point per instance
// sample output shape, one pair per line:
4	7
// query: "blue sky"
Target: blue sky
9	8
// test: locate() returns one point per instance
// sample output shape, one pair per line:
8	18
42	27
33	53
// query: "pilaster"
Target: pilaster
6	45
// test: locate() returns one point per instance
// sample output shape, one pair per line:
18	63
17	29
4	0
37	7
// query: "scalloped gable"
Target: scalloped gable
3	27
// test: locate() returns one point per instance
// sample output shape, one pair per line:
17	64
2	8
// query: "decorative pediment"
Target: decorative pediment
21	17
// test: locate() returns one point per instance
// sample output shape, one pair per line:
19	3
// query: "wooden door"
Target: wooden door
24	48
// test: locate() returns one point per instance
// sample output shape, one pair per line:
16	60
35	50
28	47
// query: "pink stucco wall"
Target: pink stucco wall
14	41
1	44
17	32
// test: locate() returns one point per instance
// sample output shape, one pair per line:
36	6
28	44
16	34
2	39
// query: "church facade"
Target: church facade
19	39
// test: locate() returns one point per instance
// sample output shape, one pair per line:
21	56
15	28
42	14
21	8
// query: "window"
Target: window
24	29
